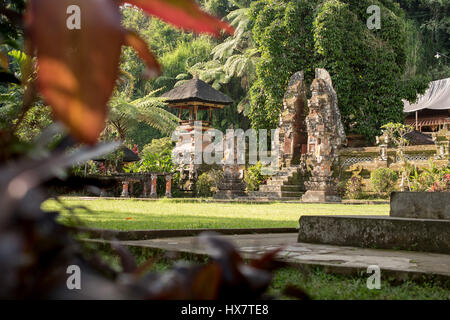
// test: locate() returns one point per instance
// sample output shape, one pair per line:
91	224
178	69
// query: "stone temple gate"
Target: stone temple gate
325	136
311	133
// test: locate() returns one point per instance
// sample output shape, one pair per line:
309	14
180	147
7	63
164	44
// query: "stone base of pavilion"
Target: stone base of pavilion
149	182
320	197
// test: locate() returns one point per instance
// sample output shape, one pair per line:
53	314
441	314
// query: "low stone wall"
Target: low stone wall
377	232
420	205
369	159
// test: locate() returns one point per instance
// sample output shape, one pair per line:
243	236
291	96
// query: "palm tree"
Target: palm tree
235	57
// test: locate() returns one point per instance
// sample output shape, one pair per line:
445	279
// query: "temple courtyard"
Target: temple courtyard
167	230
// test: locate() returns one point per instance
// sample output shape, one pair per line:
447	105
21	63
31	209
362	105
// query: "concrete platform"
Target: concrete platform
377	232
395	265
420	205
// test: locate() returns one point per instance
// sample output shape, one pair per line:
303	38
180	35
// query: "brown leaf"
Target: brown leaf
77	69
3	61
206	283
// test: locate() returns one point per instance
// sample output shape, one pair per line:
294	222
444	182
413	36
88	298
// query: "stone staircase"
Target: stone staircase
286	185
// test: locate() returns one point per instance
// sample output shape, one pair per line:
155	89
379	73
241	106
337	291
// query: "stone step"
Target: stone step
292	194
377	232
275	194
271	188
268	199
293	187
277	182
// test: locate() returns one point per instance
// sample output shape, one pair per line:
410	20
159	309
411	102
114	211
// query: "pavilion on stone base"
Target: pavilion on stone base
196	97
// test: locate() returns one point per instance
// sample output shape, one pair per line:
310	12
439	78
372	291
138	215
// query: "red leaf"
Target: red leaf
184	14
134	40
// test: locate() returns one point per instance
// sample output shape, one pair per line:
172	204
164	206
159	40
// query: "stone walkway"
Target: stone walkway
399	265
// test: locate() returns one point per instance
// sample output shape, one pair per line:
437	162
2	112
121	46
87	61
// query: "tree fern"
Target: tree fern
149	109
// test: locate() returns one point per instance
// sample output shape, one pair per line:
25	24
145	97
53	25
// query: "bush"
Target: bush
207	183
433	179
354	187
163	145
383	180
254	178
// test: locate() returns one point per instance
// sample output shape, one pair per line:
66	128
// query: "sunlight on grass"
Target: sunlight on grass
171	214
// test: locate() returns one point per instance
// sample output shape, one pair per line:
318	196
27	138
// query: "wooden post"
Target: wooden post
125	193
210	115
168	186
417	122
154	183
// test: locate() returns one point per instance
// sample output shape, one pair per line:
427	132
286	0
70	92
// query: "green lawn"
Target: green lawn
172	214
324	286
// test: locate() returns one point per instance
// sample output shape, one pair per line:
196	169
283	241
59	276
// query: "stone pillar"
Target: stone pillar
168	186
130	188
154	184
144	188
103	192
125	193
442	142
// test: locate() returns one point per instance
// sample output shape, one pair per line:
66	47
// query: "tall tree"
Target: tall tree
367	66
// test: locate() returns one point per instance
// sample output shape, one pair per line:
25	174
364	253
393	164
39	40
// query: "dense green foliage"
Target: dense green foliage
372	70
368	67
430	24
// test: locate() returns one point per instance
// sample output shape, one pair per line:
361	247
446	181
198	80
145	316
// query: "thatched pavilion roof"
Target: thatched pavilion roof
196	90
417	138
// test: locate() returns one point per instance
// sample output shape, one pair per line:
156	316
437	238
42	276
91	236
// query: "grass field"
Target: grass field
174	214
323	286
